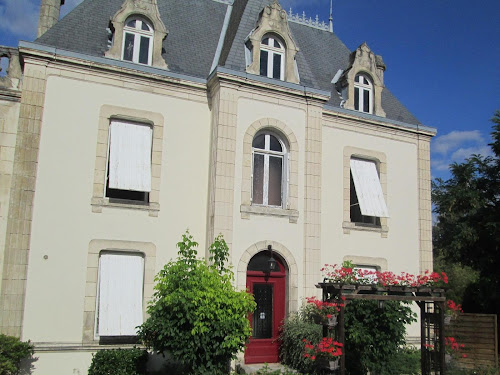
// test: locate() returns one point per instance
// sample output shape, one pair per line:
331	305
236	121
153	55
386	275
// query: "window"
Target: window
272	58
366	197
129	162
269	170
138	41
363	94
120	294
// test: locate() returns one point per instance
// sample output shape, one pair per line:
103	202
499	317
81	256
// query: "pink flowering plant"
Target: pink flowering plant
348	274
453	309
322	312
453	347
326	349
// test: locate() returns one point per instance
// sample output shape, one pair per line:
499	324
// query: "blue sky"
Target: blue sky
442	57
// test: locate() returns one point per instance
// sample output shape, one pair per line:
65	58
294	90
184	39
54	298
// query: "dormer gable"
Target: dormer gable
132	41
272	35
362	82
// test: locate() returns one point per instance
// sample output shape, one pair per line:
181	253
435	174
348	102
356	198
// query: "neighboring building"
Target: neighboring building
133	120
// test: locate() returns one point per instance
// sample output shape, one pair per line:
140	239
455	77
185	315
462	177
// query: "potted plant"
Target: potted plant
326	353
323	312
452	311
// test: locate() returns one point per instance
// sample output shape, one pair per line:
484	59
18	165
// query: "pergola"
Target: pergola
430	300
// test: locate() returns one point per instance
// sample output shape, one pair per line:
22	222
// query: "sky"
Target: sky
442	58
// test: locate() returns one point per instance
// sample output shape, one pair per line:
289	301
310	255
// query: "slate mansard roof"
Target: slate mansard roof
194	29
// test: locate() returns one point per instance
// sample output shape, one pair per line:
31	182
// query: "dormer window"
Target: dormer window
363	94
138	41
272	58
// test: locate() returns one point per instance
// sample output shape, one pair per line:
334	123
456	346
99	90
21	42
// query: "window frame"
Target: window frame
285	174
380	159
123	337
118	193
271	51
359	90
138	34
108	113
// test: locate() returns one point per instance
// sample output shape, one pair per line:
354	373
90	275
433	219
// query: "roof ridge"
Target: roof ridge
302	19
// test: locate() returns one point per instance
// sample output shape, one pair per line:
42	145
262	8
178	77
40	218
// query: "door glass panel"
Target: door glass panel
263	63
128	50
258	178
263	314
275	178
144	50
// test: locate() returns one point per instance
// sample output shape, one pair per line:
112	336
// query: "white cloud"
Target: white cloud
445	143
19	17
456	147
464	153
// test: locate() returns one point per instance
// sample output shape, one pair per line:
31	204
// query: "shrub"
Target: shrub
119	362
295	329
374	336
12	351
196	314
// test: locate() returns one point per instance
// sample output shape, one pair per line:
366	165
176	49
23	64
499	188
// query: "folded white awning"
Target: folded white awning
130	156
120	294
368	188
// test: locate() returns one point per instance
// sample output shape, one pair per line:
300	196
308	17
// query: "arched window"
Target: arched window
363	94
138	41
272	58
269	178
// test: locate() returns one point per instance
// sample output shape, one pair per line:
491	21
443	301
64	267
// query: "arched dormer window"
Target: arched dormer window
270	173
138	41
272	58
363	94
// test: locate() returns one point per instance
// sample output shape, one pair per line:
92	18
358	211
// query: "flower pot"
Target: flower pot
334	365
332	321
447	320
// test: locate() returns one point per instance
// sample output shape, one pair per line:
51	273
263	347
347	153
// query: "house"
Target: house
132	120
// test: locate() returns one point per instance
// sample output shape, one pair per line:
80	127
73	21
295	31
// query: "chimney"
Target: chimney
49	15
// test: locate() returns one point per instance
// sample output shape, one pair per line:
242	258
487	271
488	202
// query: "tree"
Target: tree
196	314
468	223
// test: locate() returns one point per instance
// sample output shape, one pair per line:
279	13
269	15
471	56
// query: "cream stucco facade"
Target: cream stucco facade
55	218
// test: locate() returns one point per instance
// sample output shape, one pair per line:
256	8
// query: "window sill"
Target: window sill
247	210
348	226
99	203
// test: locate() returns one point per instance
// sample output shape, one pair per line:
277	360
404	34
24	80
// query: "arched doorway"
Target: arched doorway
269	290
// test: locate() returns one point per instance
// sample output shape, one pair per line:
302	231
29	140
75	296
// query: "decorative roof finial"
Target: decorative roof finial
331	16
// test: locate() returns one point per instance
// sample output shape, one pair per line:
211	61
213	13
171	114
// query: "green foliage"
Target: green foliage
296	328
196	314
467	231
12	351
460	277
374	336
266	370
119	362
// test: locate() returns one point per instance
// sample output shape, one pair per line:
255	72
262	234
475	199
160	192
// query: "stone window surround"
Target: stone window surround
292	287
146	249
108	113
291	200
141	9
381	160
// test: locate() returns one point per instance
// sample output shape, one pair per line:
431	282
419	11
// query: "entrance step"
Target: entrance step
253	368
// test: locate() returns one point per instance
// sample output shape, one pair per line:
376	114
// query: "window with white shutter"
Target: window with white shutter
120	294
367	198
129	161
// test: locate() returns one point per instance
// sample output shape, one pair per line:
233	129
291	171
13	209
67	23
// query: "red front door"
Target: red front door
269	294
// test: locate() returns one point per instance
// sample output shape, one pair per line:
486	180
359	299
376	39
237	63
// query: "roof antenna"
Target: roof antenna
331	16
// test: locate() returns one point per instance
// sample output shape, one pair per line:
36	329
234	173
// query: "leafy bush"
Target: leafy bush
295	329
12	351
119	362
196	314
374	336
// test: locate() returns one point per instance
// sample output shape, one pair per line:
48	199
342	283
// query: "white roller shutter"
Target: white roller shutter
130	156
368	188
120	294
